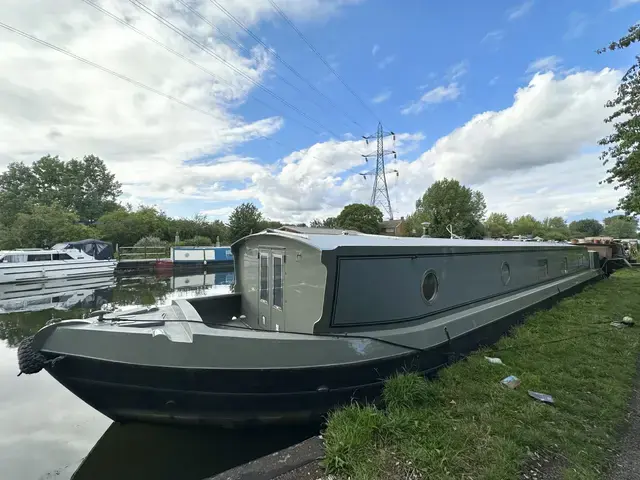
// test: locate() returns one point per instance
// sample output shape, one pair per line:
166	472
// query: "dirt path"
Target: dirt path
626	462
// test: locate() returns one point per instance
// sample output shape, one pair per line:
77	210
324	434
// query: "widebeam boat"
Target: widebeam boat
313	321
32	265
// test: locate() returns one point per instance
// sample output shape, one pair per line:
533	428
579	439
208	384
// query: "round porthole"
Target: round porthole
505	273
429	286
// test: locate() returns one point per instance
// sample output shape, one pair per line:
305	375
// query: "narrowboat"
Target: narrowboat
312	322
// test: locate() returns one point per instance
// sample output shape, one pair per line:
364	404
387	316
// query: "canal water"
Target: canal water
48	433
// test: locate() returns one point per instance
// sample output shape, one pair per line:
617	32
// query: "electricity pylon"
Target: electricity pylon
380	193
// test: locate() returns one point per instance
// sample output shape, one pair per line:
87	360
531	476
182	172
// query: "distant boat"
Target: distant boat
30	265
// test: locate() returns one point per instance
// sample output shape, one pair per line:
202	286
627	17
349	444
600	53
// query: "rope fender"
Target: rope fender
31	361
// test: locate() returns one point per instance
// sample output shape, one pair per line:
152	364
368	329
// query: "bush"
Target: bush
197	241
150	241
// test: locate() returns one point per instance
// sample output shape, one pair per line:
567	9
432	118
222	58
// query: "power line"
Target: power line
180	32
248	52
314	50
285	63
123	77
187	59
105	69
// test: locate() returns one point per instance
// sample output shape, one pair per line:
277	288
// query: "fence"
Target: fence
141	253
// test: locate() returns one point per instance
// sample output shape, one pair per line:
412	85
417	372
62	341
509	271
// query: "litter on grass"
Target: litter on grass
511	381
542	397
494	360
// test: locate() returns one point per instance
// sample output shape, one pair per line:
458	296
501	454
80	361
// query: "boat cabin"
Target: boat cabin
336	283
33	255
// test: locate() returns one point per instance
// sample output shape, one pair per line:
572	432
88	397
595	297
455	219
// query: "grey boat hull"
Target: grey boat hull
231	377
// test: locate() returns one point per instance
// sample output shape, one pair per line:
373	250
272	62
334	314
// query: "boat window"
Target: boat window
277	281
505	273
39	257
62	256
543	266
565	265
14	258
264	277
429	286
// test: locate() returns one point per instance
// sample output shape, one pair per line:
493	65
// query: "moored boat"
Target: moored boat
313	322
60	262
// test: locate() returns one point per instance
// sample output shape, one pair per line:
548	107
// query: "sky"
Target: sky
200	105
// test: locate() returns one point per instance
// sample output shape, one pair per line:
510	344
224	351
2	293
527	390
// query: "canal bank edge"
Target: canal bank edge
294	462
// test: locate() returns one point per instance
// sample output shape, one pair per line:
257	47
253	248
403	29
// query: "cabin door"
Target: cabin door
271	291
264	290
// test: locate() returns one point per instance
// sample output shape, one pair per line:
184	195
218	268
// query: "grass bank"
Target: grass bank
466	425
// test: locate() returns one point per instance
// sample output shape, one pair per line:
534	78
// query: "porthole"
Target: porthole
429	286
505	273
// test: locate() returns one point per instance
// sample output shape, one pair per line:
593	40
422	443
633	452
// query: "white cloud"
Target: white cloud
550	63
375	49
457	71
54	104
437	95
578	23
520	11
494	37
386	61
527	158
618	4
382	96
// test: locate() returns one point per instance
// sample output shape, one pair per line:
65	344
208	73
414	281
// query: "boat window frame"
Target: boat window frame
280	257
38	255
434	296
68	257
263	254
502	271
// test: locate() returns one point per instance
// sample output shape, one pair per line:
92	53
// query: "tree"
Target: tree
329	222
45	226
619	226
588	227
498	225
244	220
623	145
526	225
447	202
360	217
84	187
125	226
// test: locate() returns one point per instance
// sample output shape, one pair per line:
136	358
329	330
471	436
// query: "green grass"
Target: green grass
466	425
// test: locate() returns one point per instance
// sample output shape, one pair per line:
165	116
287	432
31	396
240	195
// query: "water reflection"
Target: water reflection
46	432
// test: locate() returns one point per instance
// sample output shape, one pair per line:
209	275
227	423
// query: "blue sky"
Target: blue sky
503	96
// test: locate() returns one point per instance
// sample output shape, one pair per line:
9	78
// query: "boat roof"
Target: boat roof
331	242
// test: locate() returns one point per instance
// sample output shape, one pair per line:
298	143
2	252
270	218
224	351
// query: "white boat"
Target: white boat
31	265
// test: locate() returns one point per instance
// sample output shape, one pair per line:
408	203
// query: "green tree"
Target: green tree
329	222
45	226
244	220
498	225
619	226
447	202
587	227
125	226
85	187
622	151
360	217
526	225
